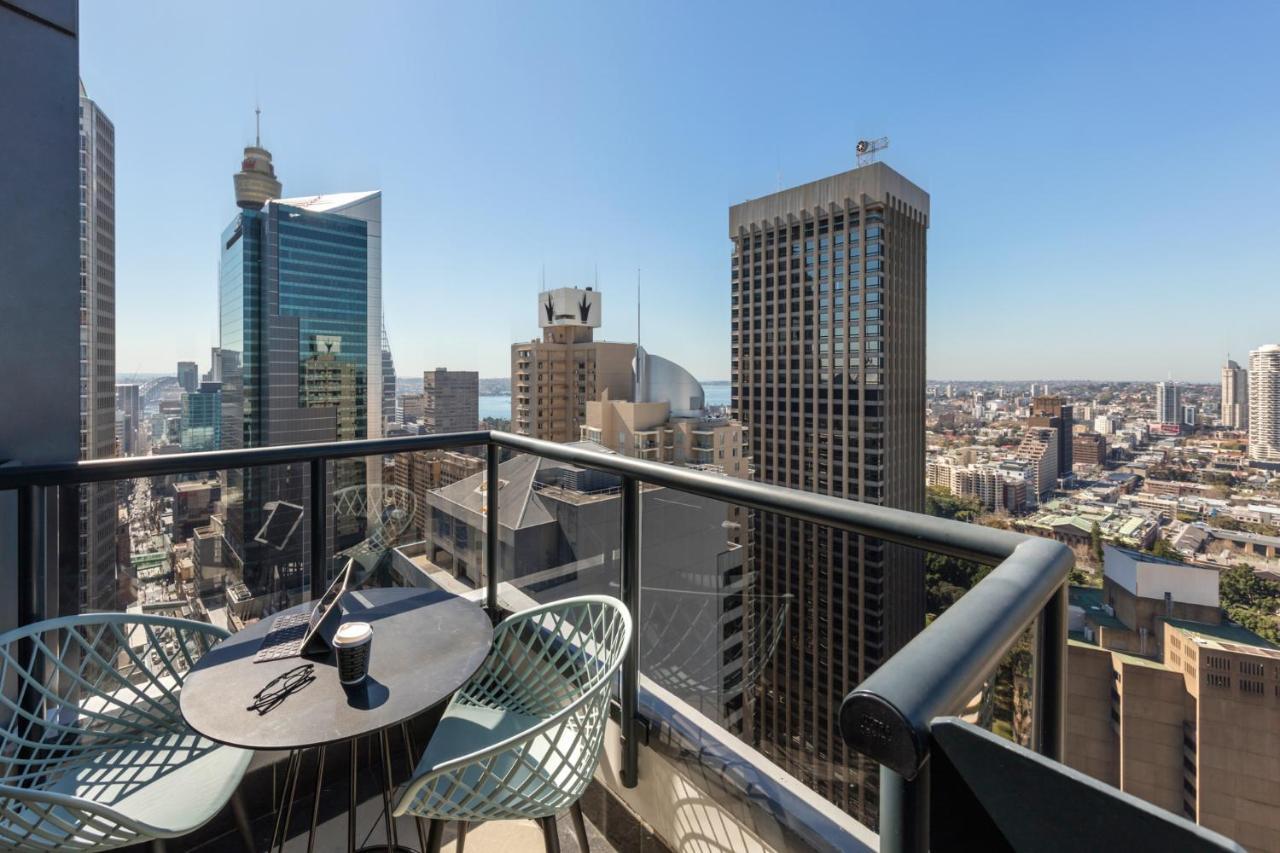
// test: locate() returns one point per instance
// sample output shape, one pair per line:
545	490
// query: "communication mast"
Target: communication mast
868	148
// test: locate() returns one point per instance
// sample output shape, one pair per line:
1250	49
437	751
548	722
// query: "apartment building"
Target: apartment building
1039	449
1264	404
1235	396
998	487
422	471
554	378
450	401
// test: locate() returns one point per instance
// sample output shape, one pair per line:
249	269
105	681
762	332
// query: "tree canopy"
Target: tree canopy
1251	600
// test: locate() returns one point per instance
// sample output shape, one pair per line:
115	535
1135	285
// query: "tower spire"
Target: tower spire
257	126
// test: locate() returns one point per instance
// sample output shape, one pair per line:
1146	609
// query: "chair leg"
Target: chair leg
579	826
549	835
241	815
435	835
462	836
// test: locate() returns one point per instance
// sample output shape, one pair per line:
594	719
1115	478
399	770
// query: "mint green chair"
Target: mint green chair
521	739
95	753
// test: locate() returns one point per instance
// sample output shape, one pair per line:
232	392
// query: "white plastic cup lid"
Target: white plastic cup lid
351	633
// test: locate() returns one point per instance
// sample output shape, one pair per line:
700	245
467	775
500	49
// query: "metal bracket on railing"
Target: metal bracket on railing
644	727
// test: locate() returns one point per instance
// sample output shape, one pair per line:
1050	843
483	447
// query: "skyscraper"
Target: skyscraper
201	424
1167	409
128	404
388	384
188	376
97	552
300	331
450	400
1057	413
1264	403
828	371
1235	396
553	379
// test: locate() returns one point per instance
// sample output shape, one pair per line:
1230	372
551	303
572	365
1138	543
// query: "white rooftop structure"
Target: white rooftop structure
344	203
1148	576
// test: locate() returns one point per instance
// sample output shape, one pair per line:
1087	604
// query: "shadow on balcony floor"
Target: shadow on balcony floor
261	790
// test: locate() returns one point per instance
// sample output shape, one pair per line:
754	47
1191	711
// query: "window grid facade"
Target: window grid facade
827	368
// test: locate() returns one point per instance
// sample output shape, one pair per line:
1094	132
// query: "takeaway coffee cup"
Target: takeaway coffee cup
353	642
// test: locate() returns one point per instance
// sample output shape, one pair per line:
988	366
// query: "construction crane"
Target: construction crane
868	148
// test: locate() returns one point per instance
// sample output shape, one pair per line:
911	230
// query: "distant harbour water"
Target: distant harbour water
499	405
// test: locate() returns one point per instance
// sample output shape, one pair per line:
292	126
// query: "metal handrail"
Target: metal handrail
887	717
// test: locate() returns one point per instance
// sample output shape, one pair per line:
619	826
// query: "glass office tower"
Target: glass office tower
300	291
202	418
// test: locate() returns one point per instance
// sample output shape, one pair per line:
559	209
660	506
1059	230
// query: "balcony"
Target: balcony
722	736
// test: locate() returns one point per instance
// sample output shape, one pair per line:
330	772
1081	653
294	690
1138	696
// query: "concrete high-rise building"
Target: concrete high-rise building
1057	413
1264	403
413	407
97	553
450	401
1167	409
553	379
300	361
1169	702
1190	415
1089	448
828	372
1235	396
1039	448
129	408
188	376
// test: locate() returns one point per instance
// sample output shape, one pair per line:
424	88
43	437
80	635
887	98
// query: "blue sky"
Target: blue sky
1103	176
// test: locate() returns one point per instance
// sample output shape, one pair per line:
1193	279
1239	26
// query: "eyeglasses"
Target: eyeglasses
281	688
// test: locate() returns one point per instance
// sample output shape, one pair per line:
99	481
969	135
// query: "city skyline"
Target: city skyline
1021	187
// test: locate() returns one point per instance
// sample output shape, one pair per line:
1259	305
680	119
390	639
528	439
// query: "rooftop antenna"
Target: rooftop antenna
637	306
257	126
637	379
868	149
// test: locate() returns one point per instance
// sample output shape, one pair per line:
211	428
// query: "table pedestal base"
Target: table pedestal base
289	788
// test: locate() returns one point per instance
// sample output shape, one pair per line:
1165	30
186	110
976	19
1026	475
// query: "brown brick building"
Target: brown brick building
1089	448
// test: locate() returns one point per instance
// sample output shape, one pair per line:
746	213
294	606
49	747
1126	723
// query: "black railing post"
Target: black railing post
319	525
1049	712
904	811
630	589
32	536
491	529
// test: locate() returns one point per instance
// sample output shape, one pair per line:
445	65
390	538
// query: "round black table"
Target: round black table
426	644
